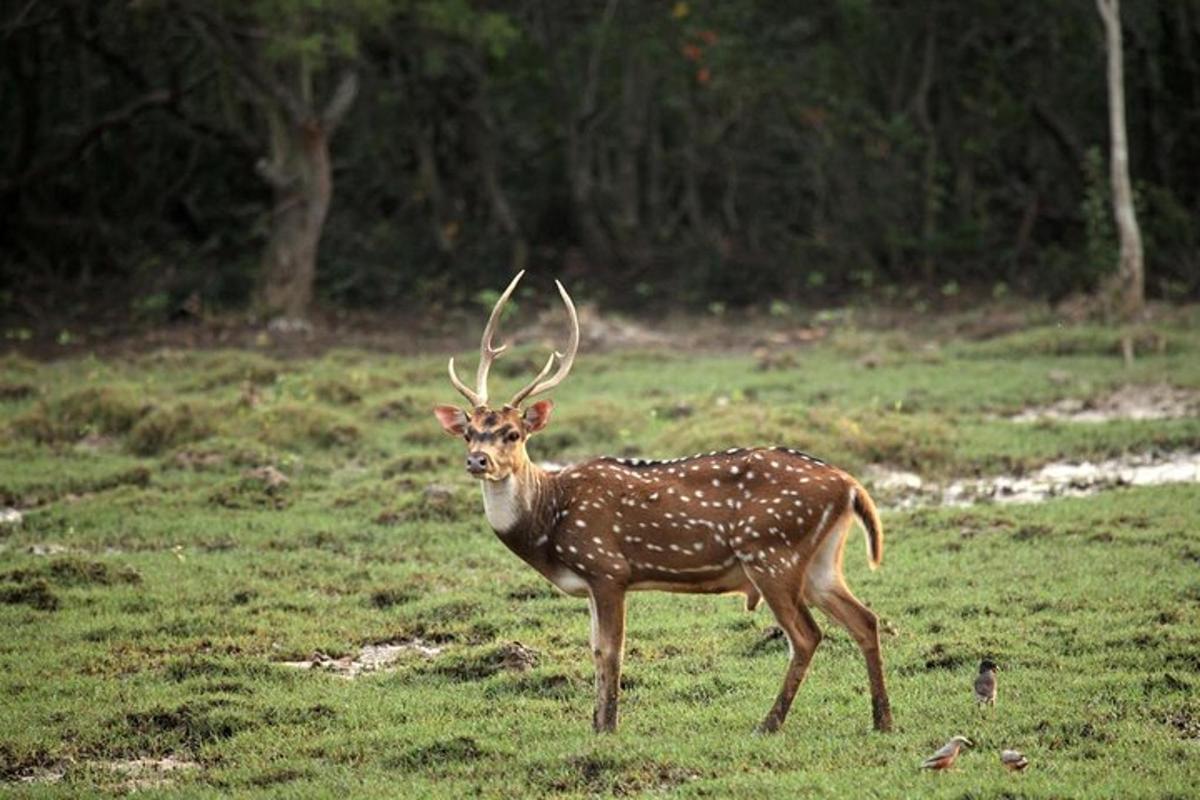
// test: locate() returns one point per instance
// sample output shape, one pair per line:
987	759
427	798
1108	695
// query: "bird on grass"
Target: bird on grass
985	683
1013	760
944	758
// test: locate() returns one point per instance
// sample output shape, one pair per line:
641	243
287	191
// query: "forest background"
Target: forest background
168	157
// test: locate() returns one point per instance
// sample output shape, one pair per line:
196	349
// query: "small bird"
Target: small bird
1014	760
985	683
944	758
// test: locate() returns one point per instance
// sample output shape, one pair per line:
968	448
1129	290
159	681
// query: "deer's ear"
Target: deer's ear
537	415
454	420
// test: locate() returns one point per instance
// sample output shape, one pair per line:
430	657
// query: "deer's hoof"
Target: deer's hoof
767	727
604	725
883	716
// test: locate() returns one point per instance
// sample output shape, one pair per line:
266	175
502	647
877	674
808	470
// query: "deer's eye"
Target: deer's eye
513	436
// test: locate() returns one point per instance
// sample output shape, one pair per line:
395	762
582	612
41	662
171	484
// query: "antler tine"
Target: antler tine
538	385
475	399
487	353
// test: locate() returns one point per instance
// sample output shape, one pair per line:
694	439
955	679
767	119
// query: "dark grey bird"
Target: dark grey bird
985	683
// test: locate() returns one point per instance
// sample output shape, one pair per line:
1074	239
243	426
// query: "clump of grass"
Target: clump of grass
15	363
171	426
13	391
401	408
225	369
435	502
416	462
460	749
191	724
910	441
261	488
387	598
1083	340
111	410
36	594
582	428
76	572
490	661
336	393
36	492
290	424
740	425
848	440
219	452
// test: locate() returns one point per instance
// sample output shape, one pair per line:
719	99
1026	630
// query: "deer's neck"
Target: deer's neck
521	509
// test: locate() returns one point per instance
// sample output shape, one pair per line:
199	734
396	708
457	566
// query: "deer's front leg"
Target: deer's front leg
608	643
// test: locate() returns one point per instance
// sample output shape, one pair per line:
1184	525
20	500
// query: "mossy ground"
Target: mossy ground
179	571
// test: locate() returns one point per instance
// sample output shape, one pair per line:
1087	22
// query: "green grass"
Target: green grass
186	575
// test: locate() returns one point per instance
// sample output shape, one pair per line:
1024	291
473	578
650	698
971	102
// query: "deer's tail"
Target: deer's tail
864	509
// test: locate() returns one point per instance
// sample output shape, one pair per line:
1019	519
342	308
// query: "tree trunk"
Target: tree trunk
633	133
929	183
1128	285
302	179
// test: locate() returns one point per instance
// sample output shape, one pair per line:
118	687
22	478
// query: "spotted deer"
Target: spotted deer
767	522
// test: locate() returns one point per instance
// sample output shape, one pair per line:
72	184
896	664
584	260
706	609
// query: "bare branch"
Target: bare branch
122	116
246	66
340	102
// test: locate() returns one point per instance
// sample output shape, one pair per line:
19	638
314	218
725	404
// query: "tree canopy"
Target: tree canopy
690	152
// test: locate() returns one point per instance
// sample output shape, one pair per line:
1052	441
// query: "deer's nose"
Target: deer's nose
477	463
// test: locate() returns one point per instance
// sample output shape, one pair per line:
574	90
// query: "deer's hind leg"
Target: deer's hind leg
803	636
826	588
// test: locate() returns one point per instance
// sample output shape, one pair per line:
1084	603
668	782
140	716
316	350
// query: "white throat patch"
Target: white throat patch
503	504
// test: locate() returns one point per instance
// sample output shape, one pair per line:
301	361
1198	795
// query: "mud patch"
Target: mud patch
370	658
1126	403
134	774
1186	723
900	489
149	773
599	331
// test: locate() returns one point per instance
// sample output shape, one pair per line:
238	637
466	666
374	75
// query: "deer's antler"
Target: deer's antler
487	353
539	385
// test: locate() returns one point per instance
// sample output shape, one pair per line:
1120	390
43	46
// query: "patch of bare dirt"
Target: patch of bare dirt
1161	401
149	773
52	774
901	489
47	549
136	774
370	658
598	331
271	478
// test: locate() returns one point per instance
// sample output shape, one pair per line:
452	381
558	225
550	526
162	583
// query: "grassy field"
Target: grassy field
160	574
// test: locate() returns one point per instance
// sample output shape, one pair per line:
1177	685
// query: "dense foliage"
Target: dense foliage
696	151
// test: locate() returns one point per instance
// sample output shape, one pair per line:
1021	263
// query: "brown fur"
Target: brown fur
757	521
